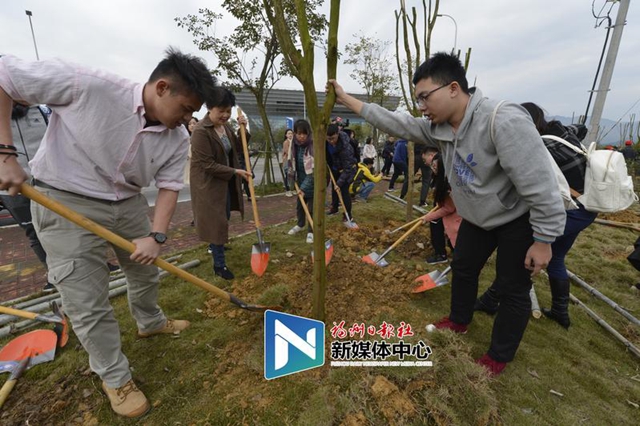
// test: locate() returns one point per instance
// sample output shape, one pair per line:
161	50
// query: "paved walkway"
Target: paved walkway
21	273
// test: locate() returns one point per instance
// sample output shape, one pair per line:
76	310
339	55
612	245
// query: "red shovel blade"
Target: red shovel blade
39	345
426	283
260	258
328	251
368	259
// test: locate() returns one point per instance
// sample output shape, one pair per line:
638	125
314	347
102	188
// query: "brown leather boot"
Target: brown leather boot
127	400
170	327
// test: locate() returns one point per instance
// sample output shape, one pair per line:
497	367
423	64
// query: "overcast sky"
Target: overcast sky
545	51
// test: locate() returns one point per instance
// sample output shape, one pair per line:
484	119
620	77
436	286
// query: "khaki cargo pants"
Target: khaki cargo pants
78	268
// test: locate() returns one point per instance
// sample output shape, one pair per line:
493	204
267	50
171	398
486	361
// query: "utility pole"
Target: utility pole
607	73
29	14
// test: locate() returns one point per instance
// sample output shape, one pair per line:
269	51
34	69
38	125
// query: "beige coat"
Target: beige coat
212	178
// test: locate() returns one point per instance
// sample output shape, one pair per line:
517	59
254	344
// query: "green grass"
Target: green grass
212	374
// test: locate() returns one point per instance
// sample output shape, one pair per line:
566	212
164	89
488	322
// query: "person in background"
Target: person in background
108	138
387	155
216	175
446	211
344	163
573	166
187	168
425	175
353	141
286	147
369	151
28	125
399	162
628	152
436	226
364	181
301	159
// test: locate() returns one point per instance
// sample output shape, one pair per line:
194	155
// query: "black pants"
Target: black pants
398	169
20	208
346	197
386	168
437	237
425	182
300	214
513	281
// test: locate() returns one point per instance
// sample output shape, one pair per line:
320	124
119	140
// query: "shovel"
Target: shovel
400	228
259	252
328	244
349	223
431	280
374	258
24	352
61	328
29	192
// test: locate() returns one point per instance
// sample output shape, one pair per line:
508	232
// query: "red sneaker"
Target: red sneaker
492	365
446	323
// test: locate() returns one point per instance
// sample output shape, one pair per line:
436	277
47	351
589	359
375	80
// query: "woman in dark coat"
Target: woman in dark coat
216	176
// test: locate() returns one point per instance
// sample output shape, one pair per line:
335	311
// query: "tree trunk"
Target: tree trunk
410	172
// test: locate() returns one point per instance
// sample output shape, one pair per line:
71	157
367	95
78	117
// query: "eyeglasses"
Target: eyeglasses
421	99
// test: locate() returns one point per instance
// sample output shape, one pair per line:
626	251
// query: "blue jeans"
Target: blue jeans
217	250
577	220
365	189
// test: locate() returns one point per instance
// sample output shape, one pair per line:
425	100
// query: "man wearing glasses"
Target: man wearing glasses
502	185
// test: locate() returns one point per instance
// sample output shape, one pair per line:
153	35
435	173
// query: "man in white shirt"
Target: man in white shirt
107	139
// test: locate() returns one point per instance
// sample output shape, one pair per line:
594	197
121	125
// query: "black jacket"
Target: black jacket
344	160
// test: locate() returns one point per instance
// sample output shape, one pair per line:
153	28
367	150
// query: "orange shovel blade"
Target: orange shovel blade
39	345
328	251
426	283
259	259
368	259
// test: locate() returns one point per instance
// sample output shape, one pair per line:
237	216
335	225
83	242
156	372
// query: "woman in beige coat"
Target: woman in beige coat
216	176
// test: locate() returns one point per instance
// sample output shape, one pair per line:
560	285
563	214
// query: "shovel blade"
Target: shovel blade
61	329
426	282
351	225
38	345
328	251
260	254
372	259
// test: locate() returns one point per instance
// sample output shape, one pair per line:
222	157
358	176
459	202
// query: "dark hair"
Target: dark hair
194	118
368	161
221	97
188	73
302	126
285	133
442	68
332	129
441	183
369	140
537	115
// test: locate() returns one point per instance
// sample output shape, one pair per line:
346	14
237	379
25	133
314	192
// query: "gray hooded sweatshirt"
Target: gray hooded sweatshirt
495	181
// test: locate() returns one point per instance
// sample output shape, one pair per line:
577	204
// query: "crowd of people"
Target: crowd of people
493	189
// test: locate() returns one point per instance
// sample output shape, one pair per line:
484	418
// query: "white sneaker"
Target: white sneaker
310	238
294	230
289	194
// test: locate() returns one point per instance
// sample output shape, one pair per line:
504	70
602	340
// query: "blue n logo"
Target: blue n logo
291	344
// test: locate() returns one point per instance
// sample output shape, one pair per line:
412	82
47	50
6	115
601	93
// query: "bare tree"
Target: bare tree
301	62
248	56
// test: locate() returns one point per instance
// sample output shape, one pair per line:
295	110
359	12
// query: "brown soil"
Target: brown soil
626	216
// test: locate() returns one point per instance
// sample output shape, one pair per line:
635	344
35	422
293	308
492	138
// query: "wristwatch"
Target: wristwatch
159	237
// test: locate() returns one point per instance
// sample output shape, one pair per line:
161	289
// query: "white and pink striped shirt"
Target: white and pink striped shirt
96	144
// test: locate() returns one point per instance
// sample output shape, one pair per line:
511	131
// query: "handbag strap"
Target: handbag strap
581	150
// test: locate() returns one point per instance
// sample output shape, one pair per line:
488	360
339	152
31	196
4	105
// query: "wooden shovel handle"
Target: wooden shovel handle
304	205
18	313
405	235
64	211
6	390
335	185
247	160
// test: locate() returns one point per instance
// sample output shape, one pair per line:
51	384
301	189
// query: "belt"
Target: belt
41	184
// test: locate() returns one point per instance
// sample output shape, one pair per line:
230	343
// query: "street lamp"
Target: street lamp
29	14
455	39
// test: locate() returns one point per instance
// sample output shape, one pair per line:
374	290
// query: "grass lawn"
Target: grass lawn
212	373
